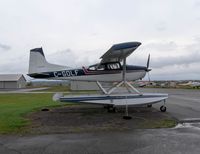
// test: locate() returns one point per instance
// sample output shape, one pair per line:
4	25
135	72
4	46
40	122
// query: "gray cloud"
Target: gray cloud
4	47
178	62
160	46
175	61
13	66
170	53
197	4
193	57
71	58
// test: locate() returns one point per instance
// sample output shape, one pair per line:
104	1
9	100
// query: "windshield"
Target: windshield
97	67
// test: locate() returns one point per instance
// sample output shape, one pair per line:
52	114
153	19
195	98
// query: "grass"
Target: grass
13	108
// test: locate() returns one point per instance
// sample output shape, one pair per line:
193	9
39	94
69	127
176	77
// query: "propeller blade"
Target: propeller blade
148	61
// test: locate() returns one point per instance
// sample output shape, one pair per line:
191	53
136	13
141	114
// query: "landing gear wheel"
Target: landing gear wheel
163	108
149	105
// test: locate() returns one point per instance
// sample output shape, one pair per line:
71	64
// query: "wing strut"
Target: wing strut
101	87
126	84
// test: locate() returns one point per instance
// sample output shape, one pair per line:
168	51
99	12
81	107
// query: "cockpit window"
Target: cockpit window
96	67
106	66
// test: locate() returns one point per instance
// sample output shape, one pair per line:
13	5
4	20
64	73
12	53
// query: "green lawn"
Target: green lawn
13	108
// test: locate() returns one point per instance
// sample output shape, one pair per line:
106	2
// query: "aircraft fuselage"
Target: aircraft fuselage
89	74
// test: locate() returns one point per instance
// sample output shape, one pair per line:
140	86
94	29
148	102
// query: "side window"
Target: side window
113	66
117	65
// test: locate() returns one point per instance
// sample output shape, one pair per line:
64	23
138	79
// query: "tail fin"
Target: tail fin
38	63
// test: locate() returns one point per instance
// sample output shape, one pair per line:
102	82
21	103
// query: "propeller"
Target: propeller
148	61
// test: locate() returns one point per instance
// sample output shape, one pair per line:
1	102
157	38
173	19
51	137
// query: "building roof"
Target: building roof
11	77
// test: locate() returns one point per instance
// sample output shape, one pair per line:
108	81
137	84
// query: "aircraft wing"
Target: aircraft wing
119	51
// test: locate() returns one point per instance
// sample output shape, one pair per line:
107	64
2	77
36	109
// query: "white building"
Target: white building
12	81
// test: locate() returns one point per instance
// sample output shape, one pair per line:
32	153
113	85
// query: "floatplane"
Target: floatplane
111	68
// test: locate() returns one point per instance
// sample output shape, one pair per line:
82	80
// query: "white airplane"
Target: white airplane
191	84
112	68
108	70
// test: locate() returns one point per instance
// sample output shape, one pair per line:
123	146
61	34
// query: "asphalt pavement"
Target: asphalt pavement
183	104
150	141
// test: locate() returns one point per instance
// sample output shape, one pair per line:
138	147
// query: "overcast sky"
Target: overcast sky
78	32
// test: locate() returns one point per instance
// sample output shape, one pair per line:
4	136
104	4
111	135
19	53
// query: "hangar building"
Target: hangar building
12	81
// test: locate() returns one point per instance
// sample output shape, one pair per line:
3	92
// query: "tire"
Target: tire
163	108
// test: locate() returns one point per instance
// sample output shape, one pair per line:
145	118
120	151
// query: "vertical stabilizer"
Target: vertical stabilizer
38	63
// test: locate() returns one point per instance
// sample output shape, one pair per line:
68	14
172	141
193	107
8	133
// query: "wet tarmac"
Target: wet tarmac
184	138
183	104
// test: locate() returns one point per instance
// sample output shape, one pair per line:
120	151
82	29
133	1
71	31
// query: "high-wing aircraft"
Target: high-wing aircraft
191	84
109	69
112	68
